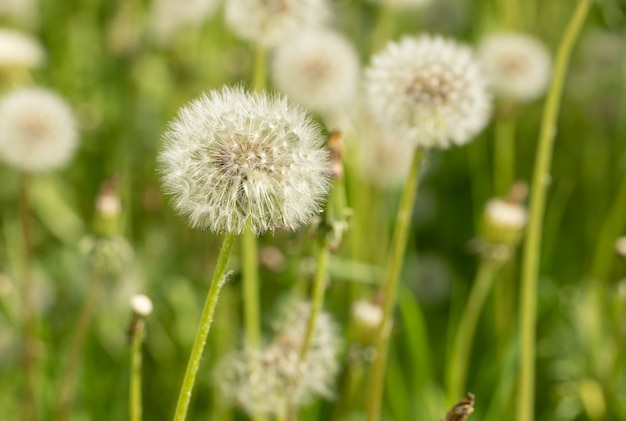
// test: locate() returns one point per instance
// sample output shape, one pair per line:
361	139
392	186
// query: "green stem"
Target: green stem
504	156
135	370
29	328
351	382
251	288
532	247
390	286
75	351
384	27
260	69
458	365
203	330
613	224
317	301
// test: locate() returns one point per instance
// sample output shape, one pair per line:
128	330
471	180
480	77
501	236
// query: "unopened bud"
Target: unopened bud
141	305
367	318
108	210
504	220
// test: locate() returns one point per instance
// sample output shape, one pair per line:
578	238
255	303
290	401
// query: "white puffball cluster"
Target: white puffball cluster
19	50
428	91
37	130
233	158
317	68
517	65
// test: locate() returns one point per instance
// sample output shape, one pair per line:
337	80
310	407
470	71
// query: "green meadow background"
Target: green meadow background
125	86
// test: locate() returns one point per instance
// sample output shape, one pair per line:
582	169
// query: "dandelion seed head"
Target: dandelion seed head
267	380
317	68
37	130
266	22
169	16
232	158
427	91
19	50
516	65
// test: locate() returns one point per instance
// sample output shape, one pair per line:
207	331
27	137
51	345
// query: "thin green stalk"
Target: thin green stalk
75	350
462	350
613	225
504	156
351	382
250	282
390	286
135	370
203	329
29	328
260	69
530	260
384	27
317	300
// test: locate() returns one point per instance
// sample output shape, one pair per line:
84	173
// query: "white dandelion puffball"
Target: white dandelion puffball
318	69
19	50
37	130
428	91
516	65
232	158
267	380
169	16
266	22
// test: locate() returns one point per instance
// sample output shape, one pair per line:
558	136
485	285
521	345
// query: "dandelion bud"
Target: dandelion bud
335	146
108	210
427	91
141	305
516	65
504	220
37	130
620	247
266	22
318	69
367	318
19	51
233	158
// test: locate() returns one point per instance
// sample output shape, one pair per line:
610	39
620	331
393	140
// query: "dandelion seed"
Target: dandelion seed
19	51
266	22
516	65
427	91
231	158
37	130
317	68
267	380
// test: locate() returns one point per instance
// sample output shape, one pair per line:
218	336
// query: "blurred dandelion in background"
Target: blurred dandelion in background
37	130
517	65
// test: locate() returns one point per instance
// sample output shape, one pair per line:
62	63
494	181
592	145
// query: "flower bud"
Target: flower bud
108	210
366	318
504	220
141	305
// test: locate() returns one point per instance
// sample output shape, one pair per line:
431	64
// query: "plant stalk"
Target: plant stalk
532	247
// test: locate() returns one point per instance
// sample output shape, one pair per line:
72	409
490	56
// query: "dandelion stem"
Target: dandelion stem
76	347
135	370
390	286
532	247
260	69
319	285
504	156
203	329
384	27
28	307
613	224
250	280
462	349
